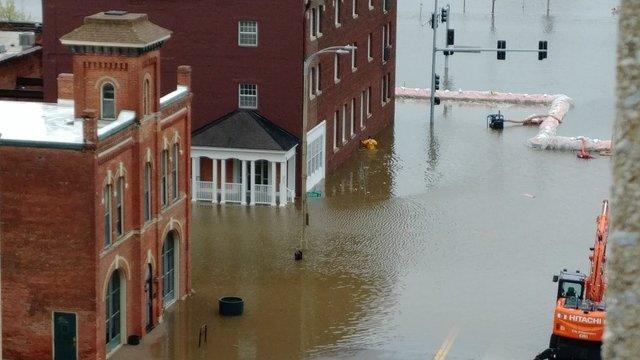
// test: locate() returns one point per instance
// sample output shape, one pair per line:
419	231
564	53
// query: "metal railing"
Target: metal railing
262	194
204	190
233	192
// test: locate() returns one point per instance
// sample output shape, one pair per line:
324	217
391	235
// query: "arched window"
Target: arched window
108	97
168	269
112	307
146	96
174	170
147	192
164	169
120	206
106	209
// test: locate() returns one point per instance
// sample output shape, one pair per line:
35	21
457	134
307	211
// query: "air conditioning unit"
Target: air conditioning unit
27	40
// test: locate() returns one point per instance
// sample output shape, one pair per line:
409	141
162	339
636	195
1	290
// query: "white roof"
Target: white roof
23	121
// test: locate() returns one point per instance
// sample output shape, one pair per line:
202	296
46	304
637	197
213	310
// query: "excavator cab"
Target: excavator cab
570	285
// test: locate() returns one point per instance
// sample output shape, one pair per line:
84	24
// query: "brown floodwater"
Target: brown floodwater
442	241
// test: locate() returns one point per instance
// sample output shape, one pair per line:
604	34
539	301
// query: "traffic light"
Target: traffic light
502	44
437	82
436	101
450	37
444	15
542	50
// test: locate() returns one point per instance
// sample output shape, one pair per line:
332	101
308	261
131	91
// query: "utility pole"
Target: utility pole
493	7
434	24
623	291
446	54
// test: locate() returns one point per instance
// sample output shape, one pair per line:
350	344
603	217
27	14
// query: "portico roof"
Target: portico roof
244	129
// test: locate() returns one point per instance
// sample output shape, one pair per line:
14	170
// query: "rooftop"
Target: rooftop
117	29
244	129
49	124
10	45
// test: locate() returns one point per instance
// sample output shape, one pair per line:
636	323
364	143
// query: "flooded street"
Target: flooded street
442	241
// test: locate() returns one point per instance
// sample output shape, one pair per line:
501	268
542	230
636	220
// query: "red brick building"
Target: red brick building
21	61
94	198
249	54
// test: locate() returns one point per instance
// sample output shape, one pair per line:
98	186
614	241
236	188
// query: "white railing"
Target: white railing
204	190
262	194
291	195
233	192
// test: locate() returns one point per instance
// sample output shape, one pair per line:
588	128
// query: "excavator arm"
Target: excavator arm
596	281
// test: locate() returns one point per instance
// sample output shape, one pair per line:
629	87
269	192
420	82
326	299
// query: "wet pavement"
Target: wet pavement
443	241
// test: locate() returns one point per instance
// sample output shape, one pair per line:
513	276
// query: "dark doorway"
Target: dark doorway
148	290
64	336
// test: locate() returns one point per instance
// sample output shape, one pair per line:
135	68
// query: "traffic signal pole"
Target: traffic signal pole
434	25
446	54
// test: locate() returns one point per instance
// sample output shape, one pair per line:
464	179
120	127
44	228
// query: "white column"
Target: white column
223	180
214	178
295	180
244	183
195	163
283	183
253	183
272	180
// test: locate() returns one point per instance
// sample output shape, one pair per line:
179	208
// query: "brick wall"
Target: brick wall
29	65
47	242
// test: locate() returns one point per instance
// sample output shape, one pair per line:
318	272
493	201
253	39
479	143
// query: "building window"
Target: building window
106	209
146	96
336	119
369	49
312	83
319	19
344	123
147	192
108	97
248	33
354	57
248	94
336	68
388	93
336	6
369	101
319	79
112	307
174	171
314	24
315	156
353	117
385	5
262	172
363	99
384	42
164	168
371	5
354	9
168	269
120	206
383	90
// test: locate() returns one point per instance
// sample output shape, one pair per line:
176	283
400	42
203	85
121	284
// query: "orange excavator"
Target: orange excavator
578	320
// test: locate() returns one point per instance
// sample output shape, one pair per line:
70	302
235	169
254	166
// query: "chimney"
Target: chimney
65	87
184	76
90	127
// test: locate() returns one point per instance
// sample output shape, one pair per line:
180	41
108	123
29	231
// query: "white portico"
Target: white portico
243	158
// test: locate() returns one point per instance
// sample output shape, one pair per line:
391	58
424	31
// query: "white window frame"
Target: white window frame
335	130
354	57
241	95
336	6
318	89
353	117
344	123
369	47
336	68
313	29
369	113
113	101
241	32
316	140
312	83
354	9
384	41
371	7
363	96
384	6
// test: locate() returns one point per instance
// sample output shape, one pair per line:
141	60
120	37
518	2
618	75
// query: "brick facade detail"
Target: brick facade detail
52	223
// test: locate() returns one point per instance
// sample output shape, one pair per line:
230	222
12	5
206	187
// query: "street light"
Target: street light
340	50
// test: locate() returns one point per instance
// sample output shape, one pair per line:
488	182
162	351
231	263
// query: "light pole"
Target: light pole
346	49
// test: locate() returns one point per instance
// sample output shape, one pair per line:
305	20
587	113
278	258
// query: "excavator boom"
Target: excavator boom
596	282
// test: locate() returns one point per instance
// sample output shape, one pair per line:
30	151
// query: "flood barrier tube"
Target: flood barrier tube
546	138
230	306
